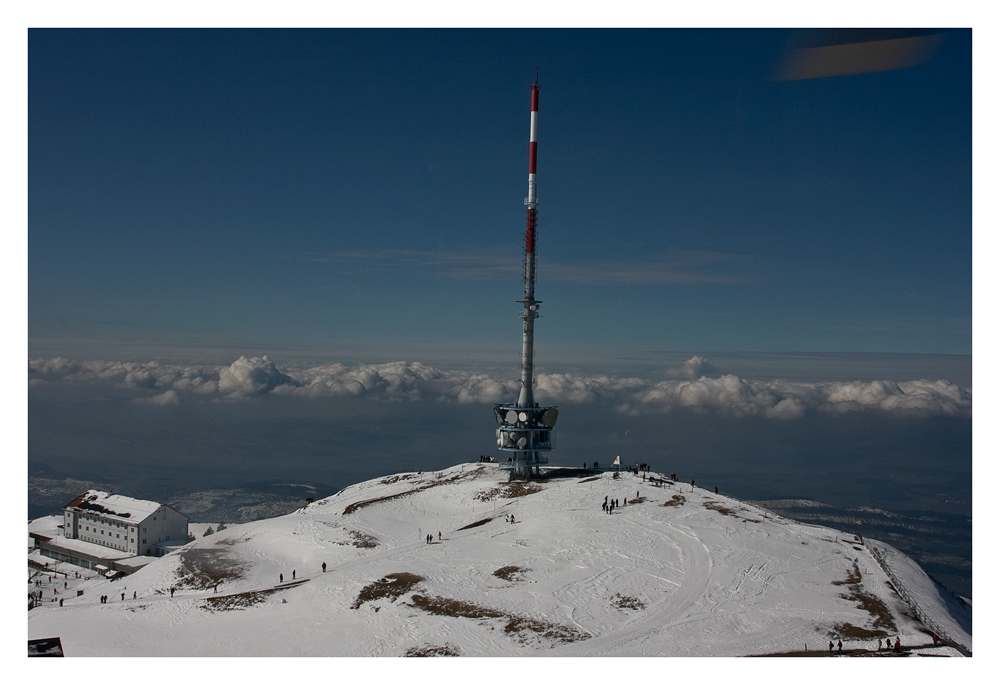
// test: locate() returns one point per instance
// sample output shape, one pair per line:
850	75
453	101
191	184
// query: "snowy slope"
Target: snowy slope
699	577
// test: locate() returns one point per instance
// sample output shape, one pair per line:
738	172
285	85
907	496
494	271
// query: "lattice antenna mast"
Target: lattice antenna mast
525	428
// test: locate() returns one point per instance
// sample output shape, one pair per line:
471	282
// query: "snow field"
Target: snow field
647	580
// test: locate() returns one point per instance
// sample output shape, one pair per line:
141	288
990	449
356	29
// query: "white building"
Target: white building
135	526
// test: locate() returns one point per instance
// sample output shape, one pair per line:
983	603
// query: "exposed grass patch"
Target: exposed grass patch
717	506
392	586
395	479
675	501
360	540
238	602
521	628
849	630
637	500
230	542
511	573
205	567
137	607
351	508
626	602
509	491
481	522
882	621
433	650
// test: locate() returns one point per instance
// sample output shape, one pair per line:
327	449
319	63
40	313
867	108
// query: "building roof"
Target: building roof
114	506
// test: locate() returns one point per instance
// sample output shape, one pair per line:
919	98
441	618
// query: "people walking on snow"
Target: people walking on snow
281	579
439	536
831	646
897	644
880	644
293	574
840	647
324	567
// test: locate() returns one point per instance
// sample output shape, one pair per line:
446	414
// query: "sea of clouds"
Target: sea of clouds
696	385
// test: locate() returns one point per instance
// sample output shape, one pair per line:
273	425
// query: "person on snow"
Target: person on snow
281	579
293	574
897	643
439	536
840	647
831	646
324	567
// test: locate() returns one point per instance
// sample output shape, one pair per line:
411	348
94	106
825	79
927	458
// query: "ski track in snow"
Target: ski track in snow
705	582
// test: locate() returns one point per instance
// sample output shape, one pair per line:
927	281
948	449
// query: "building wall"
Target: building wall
163	528
107	531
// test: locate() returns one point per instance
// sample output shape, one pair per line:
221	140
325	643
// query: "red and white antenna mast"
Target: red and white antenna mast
530	312
525	428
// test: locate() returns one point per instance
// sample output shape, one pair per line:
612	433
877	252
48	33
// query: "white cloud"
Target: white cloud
687	387
252	376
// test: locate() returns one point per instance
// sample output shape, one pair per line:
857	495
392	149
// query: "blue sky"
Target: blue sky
358	193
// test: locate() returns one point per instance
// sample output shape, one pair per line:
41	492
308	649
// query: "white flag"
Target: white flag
618	460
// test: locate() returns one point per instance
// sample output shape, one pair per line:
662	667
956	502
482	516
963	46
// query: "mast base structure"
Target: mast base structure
528	433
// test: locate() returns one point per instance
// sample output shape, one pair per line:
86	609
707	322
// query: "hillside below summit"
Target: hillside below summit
674	571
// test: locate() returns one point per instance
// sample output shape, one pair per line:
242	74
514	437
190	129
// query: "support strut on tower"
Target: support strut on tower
526	429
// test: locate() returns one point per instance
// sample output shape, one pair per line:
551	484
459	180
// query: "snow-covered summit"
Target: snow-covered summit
673	570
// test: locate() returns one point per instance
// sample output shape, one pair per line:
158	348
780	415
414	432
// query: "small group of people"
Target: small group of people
896	647
430	538
610	506
486	459
509	518
840	647
281	576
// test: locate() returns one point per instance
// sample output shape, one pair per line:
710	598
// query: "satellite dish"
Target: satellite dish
511	416
498	432
521	442
522	416
499	442
504	438
550	416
